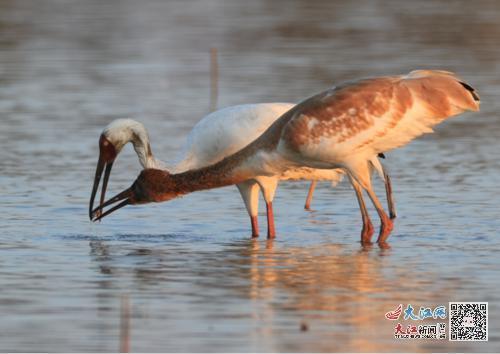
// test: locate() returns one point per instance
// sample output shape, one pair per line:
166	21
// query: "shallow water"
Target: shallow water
194	278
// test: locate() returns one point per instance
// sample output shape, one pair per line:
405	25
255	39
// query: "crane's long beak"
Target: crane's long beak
107	155
126	194
101	165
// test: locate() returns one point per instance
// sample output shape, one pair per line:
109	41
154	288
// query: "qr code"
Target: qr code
468	321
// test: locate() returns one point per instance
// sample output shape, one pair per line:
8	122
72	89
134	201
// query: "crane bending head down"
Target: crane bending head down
112	140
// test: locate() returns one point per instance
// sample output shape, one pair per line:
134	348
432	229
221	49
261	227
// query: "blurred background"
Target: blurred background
193	278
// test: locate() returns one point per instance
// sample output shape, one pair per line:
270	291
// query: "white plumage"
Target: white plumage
217	135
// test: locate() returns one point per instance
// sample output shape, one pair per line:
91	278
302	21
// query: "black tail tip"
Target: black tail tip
471	90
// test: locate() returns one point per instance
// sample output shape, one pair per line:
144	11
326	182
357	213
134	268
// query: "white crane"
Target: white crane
343	127
214	137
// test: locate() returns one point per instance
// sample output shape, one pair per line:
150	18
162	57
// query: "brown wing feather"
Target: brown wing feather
343	112
371	112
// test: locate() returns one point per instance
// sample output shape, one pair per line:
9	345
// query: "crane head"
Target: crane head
152	185
112	140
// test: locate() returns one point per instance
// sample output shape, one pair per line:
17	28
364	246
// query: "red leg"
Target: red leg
386	227
368	230
386	224
271	232
255	226
309	198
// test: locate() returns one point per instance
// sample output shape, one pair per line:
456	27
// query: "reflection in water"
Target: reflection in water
341	294
326	286
195	280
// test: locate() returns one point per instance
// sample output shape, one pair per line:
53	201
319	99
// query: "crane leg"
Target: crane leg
268	187
388	192
254	221
367	231
386	224
271	231
307	206
249	191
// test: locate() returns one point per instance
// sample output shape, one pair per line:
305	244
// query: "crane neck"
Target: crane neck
142	147
237	168
259	158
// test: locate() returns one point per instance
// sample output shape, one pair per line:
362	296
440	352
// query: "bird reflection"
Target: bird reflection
336	293
341	292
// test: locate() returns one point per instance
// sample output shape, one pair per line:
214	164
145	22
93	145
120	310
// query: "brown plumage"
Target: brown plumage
343	127
374	110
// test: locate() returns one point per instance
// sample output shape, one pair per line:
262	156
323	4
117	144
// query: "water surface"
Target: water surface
194	278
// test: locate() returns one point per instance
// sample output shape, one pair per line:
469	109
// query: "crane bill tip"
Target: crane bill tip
100	214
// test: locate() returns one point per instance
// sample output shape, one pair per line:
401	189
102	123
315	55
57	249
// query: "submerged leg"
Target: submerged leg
388	193
271	231
309	198
386	225
360	172
249	191
254	220
268	187
367	231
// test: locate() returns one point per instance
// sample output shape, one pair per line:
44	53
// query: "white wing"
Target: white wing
226	131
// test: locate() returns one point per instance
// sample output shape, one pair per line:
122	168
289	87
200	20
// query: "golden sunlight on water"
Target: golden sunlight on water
194	279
